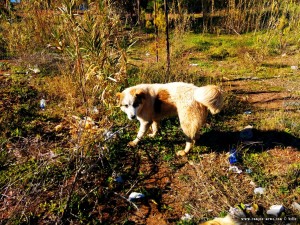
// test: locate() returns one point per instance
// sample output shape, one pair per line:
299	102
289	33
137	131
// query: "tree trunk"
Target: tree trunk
205	12
167	38
156	30
212	11
138	13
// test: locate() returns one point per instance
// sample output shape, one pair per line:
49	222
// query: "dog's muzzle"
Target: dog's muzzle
133	117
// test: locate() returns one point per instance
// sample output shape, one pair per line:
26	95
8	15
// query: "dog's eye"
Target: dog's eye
126	106
135	104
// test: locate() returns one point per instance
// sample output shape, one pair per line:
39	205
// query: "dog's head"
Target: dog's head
131	101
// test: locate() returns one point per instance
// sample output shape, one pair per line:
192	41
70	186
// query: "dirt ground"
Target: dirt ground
189	190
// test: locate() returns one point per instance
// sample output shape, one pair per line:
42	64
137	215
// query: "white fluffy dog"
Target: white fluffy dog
150	103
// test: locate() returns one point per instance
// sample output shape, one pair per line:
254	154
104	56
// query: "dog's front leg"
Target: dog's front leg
144	126
154	127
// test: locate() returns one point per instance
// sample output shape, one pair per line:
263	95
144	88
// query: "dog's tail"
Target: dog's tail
210	96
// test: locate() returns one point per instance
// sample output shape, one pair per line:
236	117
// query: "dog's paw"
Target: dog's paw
151	135
131	144
181	153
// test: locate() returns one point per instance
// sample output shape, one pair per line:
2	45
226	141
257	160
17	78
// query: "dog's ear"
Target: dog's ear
140	93
119	96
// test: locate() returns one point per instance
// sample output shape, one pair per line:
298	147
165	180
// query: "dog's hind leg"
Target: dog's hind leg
189	128
188	147
144	126
191	120
154	127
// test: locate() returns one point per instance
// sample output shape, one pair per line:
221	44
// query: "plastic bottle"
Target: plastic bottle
43	104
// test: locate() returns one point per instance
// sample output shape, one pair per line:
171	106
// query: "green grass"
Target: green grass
205	42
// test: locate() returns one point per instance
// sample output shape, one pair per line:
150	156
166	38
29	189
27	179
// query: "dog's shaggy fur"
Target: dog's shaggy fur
228	220
150	103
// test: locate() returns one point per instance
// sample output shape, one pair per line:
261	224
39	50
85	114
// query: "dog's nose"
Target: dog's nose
133	117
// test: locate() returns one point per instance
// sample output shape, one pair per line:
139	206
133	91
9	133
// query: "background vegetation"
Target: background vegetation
69	163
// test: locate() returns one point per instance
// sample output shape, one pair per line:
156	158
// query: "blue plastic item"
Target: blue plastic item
233	156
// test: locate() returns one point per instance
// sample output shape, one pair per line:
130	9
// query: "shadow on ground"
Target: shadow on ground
261	140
